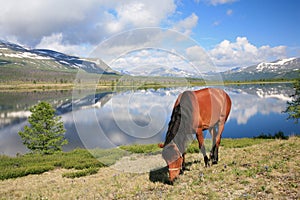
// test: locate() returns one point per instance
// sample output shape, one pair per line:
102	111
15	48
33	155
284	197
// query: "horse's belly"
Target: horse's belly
209	119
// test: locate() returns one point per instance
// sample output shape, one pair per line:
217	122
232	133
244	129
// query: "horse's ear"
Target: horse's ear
161	145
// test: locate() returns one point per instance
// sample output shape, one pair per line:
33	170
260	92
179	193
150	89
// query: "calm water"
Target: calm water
109	119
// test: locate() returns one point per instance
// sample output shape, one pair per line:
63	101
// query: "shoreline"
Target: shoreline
21	87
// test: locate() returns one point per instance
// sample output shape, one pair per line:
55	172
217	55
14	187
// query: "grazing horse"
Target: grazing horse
193	112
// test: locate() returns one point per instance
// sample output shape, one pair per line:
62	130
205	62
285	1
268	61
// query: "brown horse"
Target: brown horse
193	112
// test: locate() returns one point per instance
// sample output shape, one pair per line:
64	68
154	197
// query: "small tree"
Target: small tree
293	107
46	132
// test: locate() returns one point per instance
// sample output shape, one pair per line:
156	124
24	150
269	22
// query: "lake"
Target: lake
107	119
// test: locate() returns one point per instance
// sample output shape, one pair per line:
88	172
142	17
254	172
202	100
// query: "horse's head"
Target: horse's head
174	160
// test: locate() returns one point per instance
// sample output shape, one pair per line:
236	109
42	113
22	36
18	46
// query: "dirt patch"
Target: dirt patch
139	163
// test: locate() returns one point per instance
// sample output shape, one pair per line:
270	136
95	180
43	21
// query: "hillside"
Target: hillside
280	69
40	65
18	64
267	169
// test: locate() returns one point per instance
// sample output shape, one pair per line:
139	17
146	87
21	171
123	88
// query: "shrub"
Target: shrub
293	107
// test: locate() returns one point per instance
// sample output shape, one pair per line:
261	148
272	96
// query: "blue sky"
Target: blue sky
263	22
234	33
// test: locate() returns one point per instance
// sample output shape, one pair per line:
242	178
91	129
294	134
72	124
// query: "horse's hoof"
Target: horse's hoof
214	162
170	182
207	164
206	161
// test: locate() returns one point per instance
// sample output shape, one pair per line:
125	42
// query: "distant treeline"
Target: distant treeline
23	74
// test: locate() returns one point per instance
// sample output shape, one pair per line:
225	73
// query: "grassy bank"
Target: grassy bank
117	82
82	162
248	169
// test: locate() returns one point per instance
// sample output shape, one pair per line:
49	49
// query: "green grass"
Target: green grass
242	142
80	173
86	162
81	160
142	148
194	146
226	143
247	169
108	156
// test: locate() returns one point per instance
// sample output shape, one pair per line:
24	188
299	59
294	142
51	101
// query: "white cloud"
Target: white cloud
31	18
55	42
219	2
216	23
79	21
242	53
133	14
229	12
186	25
200	59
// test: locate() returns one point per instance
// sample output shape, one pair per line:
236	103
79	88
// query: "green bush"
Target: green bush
293	107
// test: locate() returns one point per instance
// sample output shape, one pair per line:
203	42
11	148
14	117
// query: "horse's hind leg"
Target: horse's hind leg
218	141
213	133
200	139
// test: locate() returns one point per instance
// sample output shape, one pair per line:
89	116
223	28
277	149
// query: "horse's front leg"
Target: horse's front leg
200	138
183	167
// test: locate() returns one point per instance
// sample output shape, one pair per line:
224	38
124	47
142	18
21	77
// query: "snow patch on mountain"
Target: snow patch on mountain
40	58
26	55
274	65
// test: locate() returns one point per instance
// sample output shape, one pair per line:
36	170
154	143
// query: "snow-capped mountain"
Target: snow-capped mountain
157	71
284	68
20	61
13	54
281	69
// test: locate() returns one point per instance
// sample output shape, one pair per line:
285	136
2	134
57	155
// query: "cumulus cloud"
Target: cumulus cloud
199	57
55	41
242	53
33	19
186	25
133	14
78	21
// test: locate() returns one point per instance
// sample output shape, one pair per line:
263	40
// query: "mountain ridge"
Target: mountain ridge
49	59
287	68
17	61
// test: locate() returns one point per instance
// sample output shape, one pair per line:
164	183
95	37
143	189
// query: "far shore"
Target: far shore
23	86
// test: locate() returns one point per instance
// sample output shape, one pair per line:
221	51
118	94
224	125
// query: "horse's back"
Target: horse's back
213	106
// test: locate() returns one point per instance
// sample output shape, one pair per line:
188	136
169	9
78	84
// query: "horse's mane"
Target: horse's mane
182	121
173	124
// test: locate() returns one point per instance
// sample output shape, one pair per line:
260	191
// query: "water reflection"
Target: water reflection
109	119
247	105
